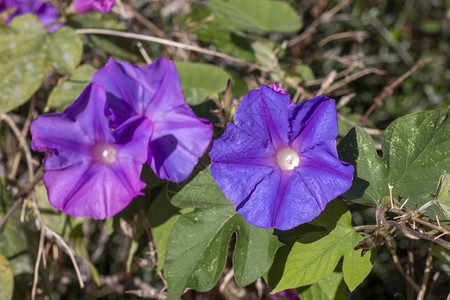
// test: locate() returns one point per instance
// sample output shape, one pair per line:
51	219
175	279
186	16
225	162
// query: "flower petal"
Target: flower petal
90	190
237	146
132	138
263	114
324	174
179	139
312	122
64	143
85	6
238	181
88	113
259	206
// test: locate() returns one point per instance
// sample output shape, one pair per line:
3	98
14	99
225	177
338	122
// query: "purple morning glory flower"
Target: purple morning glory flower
91	170
45	11
85	6
179	136
285	295
278	161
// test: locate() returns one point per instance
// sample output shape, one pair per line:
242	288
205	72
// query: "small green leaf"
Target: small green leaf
443	194
198	244
257	15
316	255
305	71
68	91
198	80
415	149
27	52
6	279
331	288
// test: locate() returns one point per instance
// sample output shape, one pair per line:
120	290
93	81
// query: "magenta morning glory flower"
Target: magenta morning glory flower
85	6
278	161
45	11
179	136
91	170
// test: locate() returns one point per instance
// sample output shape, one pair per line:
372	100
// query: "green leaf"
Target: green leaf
208	28
64	50
198	80
198	244
305	71
331	288
415	154
68	91
316	255
162	216
16	243
6	279
443	194
257	15
27	52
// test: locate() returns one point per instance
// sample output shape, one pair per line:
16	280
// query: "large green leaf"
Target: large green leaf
198	80
331	288
198	244
27	52
6	279
68	91
257	15
316	255
416	152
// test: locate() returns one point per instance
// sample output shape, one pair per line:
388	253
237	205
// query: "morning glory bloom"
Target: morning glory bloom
85	6
278	161
154	91
91	170
44	10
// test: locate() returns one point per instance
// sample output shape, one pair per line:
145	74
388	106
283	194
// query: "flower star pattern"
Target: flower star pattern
91	170
278	161
154	91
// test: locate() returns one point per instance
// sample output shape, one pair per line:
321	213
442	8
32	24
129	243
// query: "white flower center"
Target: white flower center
287	159
104	153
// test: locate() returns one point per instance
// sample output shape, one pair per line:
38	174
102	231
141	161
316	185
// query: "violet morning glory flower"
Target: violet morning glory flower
45	11
179	136
290	294
85	6
278	161
91	170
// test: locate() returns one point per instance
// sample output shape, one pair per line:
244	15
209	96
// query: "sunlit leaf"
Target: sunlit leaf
443	194
331	288
198	244
28	52
316	255
415	153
